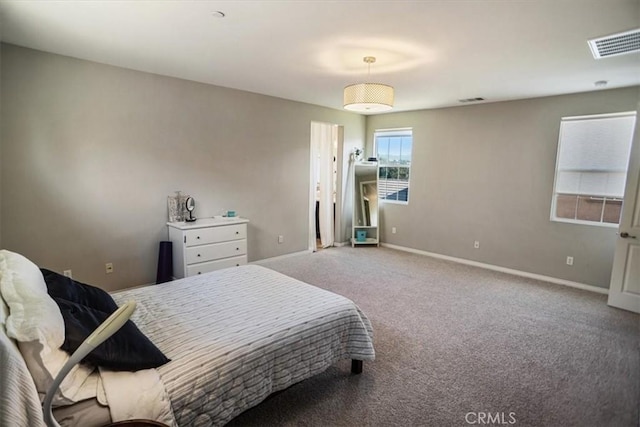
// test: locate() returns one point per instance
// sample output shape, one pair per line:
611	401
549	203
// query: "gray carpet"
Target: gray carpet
454	341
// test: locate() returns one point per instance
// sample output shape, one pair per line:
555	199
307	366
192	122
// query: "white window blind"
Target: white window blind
593	155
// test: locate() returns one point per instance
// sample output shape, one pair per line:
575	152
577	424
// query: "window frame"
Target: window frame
554	195
399	131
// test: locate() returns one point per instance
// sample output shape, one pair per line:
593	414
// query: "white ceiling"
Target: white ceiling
433	52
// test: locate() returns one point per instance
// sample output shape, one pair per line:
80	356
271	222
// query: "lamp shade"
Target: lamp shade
368	97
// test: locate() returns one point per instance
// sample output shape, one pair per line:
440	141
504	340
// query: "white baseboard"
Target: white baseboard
502	269
275	258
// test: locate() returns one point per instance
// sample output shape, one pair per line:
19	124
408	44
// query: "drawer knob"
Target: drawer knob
237	232
198	254
199	272
237	265
237	249
198	237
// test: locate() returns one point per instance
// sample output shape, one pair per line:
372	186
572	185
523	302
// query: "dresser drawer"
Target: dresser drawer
196	254
206	267
203	236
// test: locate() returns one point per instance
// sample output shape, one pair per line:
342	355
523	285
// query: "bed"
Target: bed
233	337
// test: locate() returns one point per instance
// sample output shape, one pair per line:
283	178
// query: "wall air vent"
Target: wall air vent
470	100
616	44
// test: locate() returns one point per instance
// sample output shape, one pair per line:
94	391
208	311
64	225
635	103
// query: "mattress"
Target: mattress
237	335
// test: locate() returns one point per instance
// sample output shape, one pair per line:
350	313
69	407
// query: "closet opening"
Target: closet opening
323	188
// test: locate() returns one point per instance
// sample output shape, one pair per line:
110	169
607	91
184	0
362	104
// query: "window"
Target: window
393	150
591	168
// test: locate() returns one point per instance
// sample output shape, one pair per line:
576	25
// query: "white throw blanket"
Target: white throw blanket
136	395
19	402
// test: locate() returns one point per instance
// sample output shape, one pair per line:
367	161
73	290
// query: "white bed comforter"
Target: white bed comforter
237	335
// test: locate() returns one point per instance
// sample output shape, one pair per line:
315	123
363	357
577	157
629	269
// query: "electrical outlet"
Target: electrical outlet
108	268
281	239
67	273
393	230
476	244
569	260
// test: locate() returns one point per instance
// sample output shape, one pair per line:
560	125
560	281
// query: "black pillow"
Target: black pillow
60	286
126	350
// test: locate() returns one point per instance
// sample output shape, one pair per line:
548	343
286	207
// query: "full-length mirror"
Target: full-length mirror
366	192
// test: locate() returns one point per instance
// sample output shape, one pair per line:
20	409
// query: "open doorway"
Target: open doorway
323	185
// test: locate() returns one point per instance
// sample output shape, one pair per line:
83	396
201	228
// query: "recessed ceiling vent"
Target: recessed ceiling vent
616	44
470	100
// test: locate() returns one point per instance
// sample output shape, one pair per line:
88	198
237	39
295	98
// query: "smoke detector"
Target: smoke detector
616	44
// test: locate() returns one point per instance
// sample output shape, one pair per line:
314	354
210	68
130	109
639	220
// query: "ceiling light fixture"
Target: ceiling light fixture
368	97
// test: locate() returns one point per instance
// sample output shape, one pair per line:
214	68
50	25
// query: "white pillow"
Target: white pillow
35	321
33	315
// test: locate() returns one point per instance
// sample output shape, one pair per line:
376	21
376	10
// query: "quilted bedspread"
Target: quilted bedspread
237	335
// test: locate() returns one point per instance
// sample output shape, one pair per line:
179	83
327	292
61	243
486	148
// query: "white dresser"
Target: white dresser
207	244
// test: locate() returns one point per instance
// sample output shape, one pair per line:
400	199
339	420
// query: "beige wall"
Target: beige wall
485	172
90	153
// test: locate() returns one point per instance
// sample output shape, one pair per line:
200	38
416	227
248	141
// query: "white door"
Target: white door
624	290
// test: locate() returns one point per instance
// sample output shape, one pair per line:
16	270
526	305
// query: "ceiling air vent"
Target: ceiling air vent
616	44
471	100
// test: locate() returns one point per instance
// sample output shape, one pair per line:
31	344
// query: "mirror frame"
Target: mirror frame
190	205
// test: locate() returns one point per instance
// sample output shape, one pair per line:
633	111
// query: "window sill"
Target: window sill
394	202
581	222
